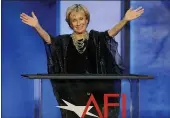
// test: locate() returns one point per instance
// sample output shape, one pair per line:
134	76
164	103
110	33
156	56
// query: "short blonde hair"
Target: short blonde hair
76	7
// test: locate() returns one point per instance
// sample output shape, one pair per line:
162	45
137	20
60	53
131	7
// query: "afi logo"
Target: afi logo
81	111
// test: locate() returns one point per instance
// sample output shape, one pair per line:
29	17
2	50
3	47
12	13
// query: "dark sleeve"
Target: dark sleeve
51	53
102	35
106	35
111	44
113	47
55	40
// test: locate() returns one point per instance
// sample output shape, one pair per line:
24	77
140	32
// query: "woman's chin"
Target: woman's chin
80	31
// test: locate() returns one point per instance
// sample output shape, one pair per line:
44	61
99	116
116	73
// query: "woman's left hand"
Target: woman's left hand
133	14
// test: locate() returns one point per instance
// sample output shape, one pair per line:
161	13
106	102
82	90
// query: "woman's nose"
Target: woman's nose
78	22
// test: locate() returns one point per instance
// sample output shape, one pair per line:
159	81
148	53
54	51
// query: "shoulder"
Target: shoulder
93	32
59	39
63	36
100	33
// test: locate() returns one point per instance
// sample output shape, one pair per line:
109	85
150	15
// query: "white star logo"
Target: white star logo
77	109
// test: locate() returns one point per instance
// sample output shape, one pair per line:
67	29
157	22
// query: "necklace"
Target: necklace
80	44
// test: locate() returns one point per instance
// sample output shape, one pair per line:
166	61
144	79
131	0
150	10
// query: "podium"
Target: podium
133	79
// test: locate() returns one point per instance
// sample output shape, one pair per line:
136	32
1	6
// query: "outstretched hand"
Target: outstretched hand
133	14
31	21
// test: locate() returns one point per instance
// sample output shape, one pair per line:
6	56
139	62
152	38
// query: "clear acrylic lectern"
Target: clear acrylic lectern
133	79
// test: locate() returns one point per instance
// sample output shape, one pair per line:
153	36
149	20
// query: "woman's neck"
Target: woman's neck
80	36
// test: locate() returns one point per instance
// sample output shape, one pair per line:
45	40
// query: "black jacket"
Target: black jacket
107	57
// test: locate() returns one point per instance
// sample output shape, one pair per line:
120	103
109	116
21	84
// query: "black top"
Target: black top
81	63
105	45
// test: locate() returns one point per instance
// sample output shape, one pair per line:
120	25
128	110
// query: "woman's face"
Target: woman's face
78	21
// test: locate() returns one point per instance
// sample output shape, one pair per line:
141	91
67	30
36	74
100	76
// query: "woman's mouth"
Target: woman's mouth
79	28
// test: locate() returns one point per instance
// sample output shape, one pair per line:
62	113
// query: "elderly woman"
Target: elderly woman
84	52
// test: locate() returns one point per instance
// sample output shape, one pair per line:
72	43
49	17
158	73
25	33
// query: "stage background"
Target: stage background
150	45
23	52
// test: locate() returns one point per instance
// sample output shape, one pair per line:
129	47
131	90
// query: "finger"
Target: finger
141	11
33	15
25	21
25	15
139	14
131	8
22	17
139	8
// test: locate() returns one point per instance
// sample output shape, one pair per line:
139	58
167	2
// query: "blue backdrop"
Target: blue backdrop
23	52
150	45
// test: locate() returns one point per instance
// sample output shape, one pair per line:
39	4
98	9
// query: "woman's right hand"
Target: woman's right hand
31	21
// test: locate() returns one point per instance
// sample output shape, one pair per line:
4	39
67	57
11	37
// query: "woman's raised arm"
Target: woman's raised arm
33	22
130	15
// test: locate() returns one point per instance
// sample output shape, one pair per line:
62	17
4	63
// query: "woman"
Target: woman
83	52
